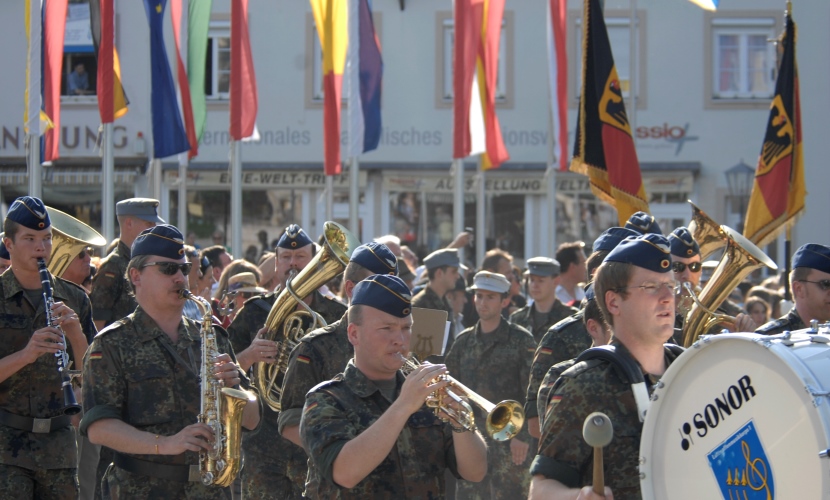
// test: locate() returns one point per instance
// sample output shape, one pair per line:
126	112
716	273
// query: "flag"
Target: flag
476	127
184	84
243	79
112	101
604	147
169	135
365	69
557	23
54	26
706	4
198	22
779	191
331	20
31	109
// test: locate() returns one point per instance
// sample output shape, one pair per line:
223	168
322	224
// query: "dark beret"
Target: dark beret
814	256
376	257
612	237
163	240
649	251
643	223
293	237
683	243
384	292
29	212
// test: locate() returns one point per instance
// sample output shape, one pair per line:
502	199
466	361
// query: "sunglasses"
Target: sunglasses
823	284
679	267
170	268
84	253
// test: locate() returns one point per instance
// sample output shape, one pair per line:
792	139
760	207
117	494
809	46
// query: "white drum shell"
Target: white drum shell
788	407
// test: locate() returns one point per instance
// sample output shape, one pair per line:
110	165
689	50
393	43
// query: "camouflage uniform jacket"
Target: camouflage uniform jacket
565	340
547	384
524	318
496	365
791	322
266	445
35	390
338	410
587	387
428	299
111	297
131	375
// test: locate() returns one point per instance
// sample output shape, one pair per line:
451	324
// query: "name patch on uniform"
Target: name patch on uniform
304	359
741	467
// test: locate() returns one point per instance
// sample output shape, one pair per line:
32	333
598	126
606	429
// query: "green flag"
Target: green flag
198	22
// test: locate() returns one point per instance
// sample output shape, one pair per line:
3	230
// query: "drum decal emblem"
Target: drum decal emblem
741	467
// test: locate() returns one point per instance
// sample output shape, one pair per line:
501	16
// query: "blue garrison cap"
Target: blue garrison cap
4	254
543	266
29	212
384	292
443	257
141	208
589	292
493	282
163	240
683	243
293	237
814	256
649	251
612	237
376	257
643	223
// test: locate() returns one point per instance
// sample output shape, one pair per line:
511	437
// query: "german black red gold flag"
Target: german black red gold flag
779	191
112	101
604	148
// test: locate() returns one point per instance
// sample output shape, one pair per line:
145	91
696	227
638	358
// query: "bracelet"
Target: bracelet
157	444
458	428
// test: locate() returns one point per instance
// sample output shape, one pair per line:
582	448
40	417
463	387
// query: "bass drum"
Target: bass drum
741	416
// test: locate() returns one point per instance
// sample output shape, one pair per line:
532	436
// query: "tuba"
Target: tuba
285	323
504	420
69	237
221	409
706	232
740	258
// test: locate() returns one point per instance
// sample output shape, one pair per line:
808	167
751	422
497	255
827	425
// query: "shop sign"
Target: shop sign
264	179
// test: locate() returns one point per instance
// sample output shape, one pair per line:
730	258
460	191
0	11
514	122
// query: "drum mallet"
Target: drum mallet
598	432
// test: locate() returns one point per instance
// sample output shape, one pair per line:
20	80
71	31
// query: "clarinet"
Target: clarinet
70	405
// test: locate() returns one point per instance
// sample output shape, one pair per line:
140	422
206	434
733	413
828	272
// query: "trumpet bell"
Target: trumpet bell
505	421
69	237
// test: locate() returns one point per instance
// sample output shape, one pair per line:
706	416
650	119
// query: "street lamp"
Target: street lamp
739	180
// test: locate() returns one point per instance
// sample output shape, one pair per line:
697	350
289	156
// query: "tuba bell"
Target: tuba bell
706	232
740	258
285	324
69	237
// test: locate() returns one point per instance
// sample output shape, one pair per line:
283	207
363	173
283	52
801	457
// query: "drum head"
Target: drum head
732	420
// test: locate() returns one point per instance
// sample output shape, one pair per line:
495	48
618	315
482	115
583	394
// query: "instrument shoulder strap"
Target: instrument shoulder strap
627	367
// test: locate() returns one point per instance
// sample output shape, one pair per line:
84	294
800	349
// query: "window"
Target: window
446	44
617	23
80	68
741	57
218	71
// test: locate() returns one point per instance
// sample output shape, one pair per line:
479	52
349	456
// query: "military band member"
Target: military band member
268	472
324	353
635	291
5	258
38	458
142	381
442	270
810	285
110	295
643	223
368	432
493	359
546	310
567	338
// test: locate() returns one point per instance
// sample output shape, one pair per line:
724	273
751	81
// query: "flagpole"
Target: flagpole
632	77
181	212
354	197
108	183
236	199
329	198
481	241
458	200
34	100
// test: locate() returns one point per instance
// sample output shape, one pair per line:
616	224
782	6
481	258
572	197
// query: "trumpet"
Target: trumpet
504	420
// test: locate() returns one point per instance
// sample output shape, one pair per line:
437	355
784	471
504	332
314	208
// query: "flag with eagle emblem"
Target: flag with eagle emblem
604	147
779	191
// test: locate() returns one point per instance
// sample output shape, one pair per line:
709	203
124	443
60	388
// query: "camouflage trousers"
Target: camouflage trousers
267	480
504	479
123	485
20	483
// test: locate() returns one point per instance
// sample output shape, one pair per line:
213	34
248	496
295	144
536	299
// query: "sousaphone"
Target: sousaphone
69	237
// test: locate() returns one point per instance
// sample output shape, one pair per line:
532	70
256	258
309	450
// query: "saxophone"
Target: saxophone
221	409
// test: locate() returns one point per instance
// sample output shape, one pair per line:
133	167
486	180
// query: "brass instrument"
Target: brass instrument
504	420
740	258
706	232
221	409
69	237
285	324
70	404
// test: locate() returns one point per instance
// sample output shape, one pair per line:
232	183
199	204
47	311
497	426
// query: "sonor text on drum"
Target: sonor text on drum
714	413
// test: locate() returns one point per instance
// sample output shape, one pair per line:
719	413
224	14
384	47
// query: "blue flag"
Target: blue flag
169	135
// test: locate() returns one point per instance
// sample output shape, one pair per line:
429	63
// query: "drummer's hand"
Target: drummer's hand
587	493
744	323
